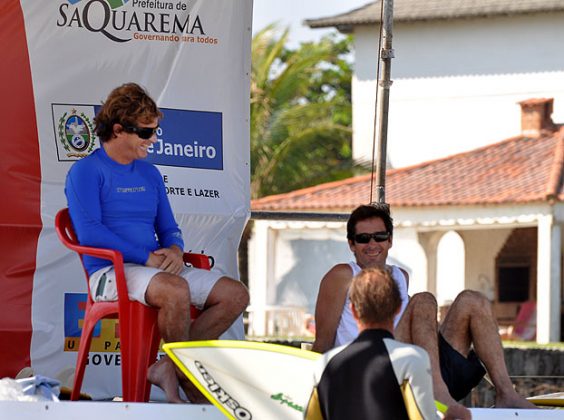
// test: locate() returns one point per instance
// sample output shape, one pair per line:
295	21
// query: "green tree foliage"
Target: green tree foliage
300	113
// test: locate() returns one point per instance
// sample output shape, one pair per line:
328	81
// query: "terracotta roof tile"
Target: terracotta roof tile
517	170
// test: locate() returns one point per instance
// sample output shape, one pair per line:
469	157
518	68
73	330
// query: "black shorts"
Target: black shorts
461	374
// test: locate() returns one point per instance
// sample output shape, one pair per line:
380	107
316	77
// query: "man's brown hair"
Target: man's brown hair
375	295
127	105
369	211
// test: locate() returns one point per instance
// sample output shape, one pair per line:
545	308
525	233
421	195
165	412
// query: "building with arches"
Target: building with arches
489	219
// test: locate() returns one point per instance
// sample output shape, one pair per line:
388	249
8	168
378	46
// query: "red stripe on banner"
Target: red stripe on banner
20	187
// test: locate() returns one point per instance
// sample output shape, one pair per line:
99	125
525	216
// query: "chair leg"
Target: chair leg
138	353
83	351
126	365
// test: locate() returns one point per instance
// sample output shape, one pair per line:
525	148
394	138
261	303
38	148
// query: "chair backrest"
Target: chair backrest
67	235
63	226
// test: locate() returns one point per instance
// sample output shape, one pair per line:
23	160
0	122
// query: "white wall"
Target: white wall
408	253
287	261
482	247
302	257
456	83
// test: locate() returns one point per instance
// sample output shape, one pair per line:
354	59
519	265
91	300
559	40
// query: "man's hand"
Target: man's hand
457	411
154	260
172	259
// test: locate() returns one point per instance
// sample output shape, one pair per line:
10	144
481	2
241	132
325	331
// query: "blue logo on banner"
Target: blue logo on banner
189	139
75	304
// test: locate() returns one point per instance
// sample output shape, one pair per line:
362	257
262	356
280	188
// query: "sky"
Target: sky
294	12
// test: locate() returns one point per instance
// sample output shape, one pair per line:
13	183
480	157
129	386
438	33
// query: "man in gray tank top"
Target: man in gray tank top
396	377
458	350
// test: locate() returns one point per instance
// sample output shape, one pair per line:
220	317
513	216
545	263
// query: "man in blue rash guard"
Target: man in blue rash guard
116	200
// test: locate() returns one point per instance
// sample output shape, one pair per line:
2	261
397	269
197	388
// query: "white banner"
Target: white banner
193	56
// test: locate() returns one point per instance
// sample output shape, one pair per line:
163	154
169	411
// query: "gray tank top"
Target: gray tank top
347	330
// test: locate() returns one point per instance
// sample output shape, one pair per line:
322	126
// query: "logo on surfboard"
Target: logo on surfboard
223	397
286	400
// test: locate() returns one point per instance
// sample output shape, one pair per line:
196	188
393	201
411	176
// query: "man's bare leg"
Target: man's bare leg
419	326
471	320
170	294
226	301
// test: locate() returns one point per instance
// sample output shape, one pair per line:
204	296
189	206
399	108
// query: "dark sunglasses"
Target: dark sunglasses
364	238
144	133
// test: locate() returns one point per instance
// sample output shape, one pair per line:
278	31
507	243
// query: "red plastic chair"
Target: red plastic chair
139	335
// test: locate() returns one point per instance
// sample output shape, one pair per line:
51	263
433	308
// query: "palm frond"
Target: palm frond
300	113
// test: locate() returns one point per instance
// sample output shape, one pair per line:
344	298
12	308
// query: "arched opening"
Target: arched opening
450	267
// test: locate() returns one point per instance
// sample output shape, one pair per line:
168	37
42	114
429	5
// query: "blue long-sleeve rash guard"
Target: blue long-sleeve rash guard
122	207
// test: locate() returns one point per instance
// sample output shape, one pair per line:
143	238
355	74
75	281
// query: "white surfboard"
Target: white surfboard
248	380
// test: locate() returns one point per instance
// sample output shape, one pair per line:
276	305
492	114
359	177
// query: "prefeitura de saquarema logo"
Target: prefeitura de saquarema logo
124	20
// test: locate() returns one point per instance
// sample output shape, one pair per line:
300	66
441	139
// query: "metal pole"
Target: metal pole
383	100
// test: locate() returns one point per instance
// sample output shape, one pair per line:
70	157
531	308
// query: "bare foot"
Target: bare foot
513	400
193	394
163	375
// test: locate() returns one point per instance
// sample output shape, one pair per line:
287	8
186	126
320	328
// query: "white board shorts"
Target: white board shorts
103	285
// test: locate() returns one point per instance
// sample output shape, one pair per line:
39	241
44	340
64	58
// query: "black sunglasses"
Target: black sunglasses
364	238
144	133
